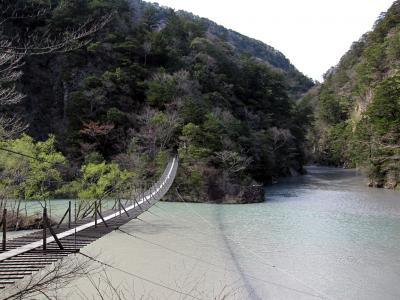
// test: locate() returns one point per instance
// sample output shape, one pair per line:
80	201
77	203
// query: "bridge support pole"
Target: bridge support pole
115	205
136	195
46	224
144	193
68	211
4	225
120	205
44	229
54	234
69	214
75	217
95	214
137	204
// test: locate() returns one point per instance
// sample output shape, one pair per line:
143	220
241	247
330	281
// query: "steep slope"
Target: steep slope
297	82
358	105
155	81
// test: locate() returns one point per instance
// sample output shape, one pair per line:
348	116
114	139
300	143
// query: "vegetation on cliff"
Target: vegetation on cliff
155	81
358	105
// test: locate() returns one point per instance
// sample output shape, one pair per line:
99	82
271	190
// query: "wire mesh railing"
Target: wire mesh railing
63	213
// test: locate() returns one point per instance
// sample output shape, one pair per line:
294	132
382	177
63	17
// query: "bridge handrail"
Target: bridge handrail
153	195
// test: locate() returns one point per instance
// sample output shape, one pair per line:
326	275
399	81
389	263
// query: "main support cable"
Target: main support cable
163	186
31	157
215	265
254	254
139	277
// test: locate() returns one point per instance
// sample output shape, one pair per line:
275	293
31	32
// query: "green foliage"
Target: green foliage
28	178
101	180
193	110
159	118
115	116
332	109
358	119
195	179
384	111
393	46
159	84
161	90
193	152
161	161
213	131
339	151
191	133
92	82
93	47
94	157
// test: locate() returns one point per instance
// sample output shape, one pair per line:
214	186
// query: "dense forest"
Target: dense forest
150	83
358	106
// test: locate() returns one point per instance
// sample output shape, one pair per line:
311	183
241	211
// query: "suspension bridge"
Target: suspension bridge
23	256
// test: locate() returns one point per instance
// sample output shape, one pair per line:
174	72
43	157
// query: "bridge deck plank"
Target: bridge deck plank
24	255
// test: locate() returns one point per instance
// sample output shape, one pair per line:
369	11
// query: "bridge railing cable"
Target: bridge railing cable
142	201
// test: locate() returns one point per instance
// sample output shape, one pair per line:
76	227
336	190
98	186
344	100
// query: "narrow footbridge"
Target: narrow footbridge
26	255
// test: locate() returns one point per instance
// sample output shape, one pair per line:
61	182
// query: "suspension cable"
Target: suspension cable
213	264
31	157
139	277
254	254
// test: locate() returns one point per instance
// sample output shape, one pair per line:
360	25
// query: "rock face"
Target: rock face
235	194
135	6
220	190
357	111
253	194
232	193
392	180
244	195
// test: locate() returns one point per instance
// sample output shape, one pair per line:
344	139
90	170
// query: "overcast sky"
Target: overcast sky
313	34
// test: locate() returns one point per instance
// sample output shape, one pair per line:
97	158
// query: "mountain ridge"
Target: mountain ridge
357	106
154	81
299	83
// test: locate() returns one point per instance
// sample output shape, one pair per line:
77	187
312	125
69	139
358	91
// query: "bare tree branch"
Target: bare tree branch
14	50
48	281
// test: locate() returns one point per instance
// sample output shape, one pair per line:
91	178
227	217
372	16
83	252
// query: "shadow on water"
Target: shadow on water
235	259
154	227
157	226
316	178
317	174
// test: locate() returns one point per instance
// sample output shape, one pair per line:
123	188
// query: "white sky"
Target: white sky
313	34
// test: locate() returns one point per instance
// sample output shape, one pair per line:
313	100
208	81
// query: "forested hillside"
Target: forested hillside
154	81
358	105
298	83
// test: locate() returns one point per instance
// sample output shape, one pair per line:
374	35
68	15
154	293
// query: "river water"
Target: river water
323	235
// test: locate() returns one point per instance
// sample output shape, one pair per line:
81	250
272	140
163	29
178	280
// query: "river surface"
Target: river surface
324	235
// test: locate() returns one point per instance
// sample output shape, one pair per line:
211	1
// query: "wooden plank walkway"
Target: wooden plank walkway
25	255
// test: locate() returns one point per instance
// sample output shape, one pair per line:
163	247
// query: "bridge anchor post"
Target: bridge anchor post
120	205
97	212
44	228
4	225
68	211
69	214
46	224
